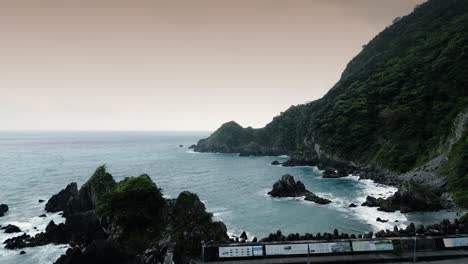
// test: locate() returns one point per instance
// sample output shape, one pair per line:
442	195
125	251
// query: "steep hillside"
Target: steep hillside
394	107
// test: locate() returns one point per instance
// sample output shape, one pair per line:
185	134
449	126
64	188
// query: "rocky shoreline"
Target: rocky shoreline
130	222
445	227
125	222
410	197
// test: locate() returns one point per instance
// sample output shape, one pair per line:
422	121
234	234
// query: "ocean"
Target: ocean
36	165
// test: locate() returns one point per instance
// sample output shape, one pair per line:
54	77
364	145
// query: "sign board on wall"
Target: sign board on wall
377	245
233	252
456	242
257	250
286	249
320	248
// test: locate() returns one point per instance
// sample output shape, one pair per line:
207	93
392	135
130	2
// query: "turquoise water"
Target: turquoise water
36	165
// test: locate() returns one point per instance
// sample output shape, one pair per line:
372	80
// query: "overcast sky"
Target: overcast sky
175	65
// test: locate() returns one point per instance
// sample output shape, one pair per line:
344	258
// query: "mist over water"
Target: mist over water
36	165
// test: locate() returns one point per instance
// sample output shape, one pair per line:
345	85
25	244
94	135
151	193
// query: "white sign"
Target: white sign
320	248
376	245
286	249
456	242
232	252
257	250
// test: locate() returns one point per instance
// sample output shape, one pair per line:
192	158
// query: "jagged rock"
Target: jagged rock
372	202
352	205
98	251
192	146
21	241
330	174
43	215
288	187
254	240
22	252
11	229
59	201
381	220
100	183
3	209
293	162
275	163
243	236
316	199
411	197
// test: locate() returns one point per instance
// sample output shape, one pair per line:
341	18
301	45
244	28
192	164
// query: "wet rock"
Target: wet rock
40	201
243	236
192	146
316	199
43	215
330	174
288	187
293	162
11	229
381	220
275	163
372	201
22	252
58	202
352	205
3	209
17	242
181	146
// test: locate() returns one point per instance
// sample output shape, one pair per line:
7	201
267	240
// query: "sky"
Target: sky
175	65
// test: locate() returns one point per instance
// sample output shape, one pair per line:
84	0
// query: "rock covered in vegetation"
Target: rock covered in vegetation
3	209
126	222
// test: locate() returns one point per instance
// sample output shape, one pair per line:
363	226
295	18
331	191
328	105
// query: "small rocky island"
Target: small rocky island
125	222
3	209
288	187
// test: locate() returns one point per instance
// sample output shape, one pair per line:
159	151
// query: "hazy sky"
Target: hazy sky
175	65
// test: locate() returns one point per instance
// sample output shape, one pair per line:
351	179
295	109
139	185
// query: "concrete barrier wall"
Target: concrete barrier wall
351	247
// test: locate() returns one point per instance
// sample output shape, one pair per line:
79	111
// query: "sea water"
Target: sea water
36	165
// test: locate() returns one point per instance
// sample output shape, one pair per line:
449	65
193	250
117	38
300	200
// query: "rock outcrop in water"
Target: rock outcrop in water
126	222
10	229
409	198
59	201
3	209
288	187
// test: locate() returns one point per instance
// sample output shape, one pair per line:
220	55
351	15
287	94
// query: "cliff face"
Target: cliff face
399	104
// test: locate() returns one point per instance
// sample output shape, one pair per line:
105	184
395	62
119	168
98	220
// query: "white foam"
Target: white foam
370	214
48	252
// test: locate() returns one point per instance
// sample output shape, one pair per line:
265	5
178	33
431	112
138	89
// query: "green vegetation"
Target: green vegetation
393	107
135	205
457	170
191	224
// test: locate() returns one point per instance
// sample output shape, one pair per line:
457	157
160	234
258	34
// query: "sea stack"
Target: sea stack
288	187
